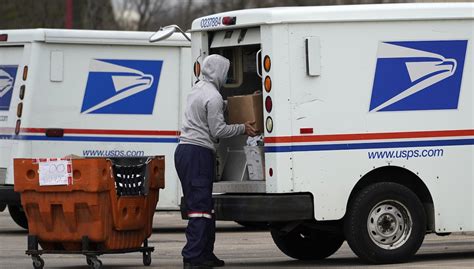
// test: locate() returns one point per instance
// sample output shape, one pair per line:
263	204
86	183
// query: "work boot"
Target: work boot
188	265
218	262
213	262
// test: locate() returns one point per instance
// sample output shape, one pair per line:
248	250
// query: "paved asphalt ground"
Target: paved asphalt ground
239	247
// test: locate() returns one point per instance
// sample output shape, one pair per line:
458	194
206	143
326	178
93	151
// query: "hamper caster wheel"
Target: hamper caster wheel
38	262
147	258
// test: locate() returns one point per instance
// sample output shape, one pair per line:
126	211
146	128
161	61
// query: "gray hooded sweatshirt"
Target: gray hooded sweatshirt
203	120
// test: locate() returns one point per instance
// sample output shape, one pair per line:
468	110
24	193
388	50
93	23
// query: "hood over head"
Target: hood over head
214	70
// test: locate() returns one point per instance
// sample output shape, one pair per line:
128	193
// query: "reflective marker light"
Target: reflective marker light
17	127
268	104
268	84
197	69
25	72
54	132
306	130
270	172
19	110
269	124
4	37
267	64
229	20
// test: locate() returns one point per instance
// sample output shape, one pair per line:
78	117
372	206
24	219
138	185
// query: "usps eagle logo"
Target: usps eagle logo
7	82
121	86
418	75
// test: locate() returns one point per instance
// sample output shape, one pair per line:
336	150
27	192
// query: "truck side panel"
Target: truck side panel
348	139
114	101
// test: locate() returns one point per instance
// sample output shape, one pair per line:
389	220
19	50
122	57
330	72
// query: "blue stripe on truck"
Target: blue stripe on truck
354	146
93	139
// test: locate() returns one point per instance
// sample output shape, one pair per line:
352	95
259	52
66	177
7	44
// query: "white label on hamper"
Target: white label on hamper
55	173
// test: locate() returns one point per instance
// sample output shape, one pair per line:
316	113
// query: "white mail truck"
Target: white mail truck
369	124
91	94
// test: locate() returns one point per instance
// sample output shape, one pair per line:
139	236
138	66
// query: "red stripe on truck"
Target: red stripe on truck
368	136
107	132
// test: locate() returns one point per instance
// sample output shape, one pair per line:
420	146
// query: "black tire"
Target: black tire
304	243
18	215
397	223
254	225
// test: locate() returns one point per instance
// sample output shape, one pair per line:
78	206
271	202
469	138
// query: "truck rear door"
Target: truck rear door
10	83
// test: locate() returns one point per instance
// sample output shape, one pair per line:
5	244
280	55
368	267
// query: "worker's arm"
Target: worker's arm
215	119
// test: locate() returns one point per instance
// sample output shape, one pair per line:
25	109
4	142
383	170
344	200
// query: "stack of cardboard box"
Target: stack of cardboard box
243	108
249	108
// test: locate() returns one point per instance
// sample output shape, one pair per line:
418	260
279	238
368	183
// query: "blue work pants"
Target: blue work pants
196	170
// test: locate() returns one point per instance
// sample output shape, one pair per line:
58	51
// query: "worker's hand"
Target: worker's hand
249	129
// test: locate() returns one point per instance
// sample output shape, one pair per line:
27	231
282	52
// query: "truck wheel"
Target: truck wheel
304	243
18	215
385	223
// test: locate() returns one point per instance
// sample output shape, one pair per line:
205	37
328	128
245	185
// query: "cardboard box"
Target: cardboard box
243	108
255	162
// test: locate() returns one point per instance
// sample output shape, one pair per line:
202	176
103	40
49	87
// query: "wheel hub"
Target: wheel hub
389	224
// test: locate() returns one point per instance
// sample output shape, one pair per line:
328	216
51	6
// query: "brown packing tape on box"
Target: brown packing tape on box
243	108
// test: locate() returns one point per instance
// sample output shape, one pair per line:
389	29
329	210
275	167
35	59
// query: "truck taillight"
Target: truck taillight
25	72
229	20
269	124
17	127
3	37
197	69
268	104
268	83
19	110
267	63
22	92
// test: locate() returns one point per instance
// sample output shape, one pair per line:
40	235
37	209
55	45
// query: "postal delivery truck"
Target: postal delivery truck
91	94
368	124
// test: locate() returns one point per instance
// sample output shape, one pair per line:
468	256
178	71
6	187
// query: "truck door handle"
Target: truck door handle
257	58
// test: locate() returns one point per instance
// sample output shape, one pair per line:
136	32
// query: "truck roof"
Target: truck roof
90	37
345	13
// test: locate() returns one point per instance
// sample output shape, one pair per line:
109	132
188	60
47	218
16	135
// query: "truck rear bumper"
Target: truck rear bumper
261	207
8	195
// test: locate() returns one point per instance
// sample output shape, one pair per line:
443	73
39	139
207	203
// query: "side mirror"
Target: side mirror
166	32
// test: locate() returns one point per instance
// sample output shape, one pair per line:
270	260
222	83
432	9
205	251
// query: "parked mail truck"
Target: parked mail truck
369	124
91	94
